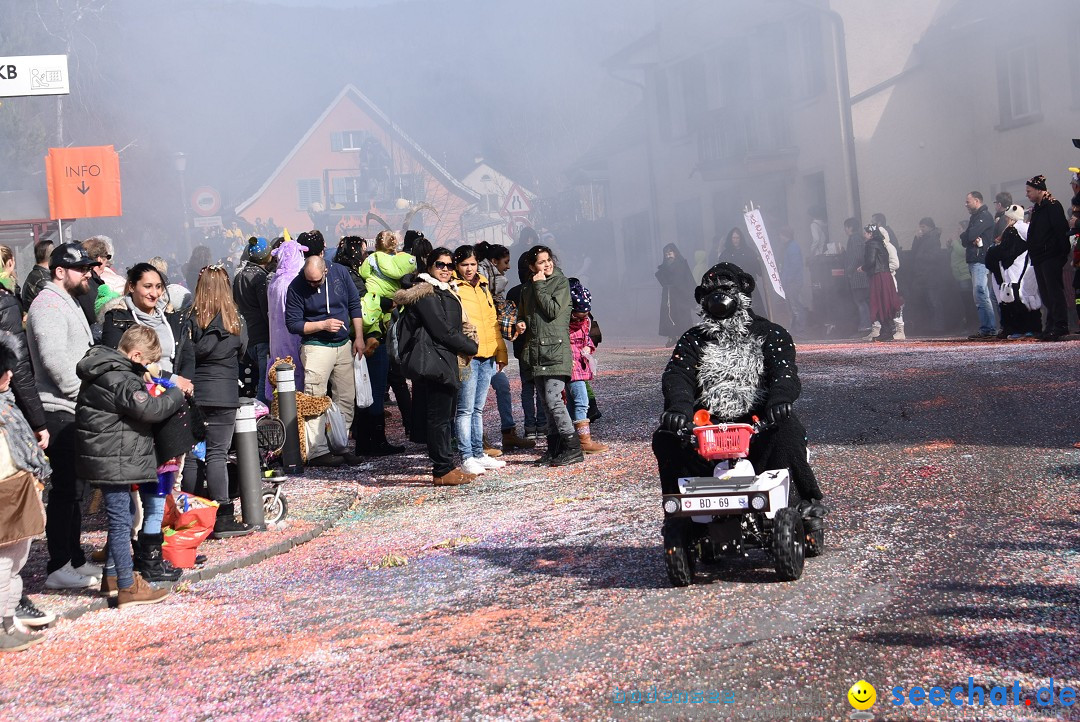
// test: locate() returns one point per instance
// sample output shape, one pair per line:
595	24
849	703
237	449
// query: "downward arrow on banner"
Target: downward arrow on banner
83	188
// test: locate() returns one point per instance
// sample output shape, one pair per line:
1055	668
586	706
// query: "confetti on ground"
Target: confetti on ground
951	552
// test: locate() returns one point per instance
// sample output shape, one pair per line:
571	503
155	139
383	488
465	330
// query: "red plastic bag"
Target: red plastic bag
187	522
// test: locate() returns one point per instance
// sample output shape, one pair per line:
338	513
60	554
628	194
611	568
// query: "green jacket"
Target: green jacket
546	309
382	274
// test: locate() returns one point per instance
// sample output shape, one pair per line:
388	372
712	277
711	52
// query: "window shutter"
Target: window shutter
336	142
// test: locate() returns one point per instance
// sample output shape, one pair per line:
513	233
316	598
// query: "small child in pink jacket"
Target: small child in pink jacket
582	347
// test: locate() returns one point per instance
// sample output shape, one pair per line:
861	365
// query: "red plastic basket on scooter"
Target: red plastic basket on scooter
724	441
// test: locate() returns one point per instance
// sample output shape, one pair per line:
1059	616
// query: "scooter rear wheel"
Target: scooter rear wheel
680	564
789	544
275	508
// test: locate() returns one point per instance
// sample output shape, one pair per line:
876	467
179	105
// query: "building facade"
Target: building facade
352	162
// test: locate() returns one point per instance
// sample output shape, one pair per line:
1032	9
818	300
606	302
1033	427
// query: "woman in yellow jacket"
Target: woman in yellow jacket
479	310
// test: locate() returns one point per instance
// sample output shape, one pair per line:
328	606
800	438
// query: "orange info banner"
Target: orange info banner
83	182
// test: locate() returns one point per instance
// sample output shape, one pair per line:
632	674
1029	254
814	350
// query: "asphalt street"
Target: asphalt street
952	553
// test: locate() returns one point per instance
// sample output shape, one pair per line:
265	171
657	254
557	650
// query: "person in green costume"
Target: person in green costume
382	272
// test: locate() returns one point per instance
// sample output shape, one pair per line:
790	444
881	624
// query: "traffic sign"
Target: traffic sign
207	222
83	182
33	75
516	203
206	201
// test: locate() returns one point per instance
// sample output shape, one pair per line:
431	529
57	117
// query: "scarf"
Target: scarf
25	452
157	321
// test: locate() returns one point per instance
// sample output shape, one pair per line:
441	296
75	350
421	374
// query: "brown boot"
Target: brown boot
454	478
512	441
140	593
587	444
492	451
108	585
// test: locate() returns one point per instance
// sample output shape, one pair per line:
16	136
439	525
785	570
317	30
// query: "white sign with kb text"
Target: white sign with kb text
33	75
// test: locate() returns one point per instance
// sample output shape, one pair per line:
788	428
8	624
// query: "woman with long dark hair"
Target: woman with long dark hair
677	295
220	340
544	319
433	345
143	304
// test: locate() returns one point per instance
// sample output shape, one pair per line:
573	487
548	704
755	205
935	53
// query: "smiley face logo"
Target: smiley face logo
862	695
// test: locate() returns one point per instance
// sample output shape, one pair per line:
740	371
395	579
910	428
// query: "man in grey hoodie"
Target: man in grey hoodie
57	337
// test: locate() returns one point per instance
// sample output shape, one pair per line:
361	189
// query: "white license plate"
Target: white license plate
713	503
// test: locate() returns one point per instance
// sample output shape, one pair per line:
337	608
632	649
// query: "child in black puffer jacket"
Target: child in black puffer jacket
114	420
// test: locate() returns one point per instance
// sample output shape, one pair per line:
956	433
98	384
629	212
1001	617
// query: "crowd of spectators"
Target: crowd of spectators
109	380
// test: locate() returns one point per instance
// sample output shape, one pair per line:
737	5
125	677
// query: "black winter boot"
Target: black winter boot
227	526
569	451
554	446
149	562
379	445
594	411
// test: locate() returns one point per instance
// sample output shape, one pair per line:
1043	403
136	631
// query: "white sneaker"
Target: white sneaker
473	466
490	463
90	570
67	578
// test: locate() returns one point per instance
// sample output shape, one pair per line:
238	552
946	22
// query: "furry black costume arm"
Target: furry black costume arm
781	373
680	380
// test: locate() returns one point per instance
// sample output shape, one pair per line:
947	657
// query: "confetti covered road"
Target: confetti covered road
533	593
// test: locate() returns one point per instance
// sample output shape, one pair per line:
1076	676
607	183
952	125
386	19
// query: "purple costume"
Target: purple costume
290	256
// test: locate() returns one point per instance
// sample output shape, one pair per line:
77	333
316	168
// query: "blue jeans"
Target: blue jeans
153	508
378	366
577	394
980	289
258	355
532	405
118	543
469	419
501	384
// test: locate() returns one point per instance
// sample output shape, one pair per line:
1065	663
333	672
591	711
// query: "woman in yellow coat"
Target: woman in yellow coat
478	306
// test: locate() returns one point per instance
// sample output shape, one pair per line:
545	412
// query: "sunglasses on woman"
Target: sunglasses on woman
444	266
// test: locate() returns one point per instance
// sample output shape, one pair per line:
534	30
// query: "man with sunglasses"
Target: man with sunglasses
99	249
57	336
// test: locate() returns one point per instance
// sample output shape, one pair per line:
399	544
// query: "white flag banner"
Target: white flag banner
756	227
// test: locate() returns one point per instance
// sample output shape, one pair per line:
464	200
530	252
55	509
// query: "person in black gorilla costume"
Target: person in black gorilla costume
737	365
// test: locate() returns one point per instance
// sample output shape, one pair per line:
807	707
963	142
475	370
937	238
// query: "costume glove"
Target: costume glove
777	413
673	421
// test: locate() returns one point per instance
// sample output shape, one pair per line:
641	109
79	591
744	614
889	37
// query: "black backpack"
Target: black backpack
400	336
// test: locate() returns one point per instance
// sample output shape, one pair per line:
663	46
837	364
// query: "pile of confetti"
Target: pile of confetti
539	593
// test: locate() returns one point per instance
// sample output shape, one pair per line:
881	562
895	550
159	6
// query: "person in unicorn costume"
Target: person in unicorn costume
290	259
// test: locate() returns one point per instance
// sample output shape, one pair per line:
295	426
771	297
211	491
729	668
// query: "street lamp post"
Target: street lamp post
180	160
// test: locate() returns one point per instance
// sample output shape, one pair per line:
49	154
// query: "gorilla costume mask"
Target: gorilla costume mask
724	289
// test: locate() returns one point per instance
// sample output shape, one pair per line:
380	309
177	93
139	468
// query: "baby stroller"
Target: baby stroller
271	437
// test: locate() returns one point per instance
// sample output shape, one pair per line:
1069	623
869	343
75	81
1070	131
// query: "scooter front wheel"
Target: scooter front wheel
680	565
789	544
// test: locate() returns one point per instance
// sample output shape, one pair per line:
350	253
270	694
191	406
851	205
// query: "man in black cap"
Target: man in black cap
57	336
1048	250
737	365
249	292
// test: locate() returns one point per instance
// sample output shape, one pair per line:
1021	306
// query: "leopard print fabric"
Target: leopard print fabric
307	406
